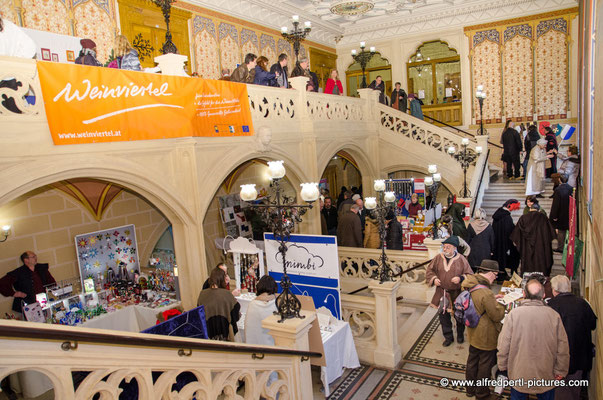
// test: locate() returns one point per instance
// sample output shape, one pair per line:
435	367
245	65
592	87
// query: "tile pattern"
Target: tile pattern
95	22
206	54
46	15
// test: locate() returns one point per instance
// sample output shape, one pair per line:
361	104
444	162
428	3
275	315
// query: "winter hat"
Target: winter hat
453	240
87	43
355	197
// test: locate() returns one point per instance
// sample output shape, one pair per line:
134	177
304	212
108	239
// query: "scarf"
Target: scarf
479	225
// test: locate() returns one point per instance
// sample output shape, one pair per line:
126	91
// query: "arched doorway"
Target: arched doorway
376	66
228	217
341	171
46	220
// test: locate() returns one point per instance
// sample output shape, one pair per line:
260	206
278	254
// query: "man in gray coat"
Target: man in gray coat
533	345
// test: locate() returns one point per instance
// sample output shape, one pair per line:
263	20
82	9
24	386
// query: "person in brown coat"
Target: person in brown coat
533	344
371	233
483	338
445	272
349	230
245	73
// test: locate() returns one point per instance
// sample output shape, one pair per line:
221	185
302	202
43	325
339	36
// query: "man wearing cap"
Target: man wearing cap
446	272
484	337
88	54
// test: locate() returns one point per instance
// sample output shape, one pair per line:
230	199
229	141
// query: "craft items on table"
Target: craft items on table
248	263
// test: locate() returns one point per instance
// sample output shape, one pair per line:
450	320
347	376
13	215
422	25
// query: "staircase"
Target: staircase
500	191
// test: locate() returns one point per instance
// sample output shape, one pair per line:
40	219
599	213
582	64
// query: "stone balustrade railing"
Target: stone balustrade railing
361	313
81	363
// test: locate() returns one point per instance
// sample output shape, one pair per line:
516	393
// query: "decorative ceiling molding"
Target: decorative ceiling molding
94	195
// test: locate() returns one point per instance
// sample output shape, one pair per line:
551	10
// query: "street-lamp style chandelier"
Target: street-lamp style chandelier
363	59
297	35
465	157
480	95
433	182
281	216
380	206
166	9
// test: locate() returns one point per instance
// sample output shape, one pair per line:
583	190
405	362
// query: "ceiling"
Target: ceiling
346	22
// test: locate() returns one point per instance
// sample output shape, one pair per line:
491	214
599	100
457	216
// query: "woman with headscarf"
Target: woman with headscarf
536	169
504	251
456	211
480	238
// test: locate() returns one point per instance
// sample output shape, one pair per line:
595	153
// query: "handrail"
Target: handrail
460	130
147	340
397	275
481	179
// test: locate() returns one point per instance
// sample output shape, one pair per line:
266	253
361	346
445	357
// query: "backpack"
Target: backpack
464	309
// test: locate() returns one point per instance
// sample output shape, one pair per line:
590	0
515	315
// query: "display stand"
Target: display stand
248	263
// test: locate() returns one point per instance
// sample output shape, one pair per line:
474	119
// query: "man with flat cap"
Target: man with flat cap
446	272
483	338
88	54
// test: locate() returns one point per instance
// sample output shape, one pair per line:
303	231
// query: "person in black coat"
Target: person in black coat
330	213
280	67
393	235
560	211
379	85
504	251
480	237
579	321
551	148
399	98
512	148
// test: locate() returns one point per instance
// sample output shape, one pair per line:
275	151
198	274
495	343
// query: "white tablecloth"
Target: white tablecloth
128	319
338	343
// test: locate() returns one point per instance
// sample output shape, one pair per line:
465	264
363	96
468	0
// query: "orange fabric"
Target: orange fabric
90	104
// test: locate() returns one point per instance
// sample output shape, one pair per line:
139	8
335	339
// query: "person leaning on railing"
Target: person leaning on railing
222	310
245	73
334	85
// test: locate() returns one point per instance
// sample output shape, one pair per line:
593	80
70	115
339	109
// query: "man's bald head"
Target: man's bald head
534	290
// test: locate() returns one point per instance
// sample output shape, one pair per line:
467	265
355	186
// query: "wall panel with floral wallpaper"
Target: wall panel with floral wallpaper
94	19
523	65
220	41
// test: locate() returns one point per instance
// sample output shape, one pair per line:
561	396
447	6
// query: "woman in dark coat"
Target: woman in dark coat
456	211
553	148
379	85
399	98
262	76
480	238
504	251
393	237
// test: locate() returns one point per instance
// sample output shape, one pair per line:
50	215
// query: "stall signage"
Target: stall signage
90	104
312	265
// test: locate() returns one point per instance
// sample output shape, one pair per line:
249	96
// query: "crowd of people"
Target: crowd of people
550	322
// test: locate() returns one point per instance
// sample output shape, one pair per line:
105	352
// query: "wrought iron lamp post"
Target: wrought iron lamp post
363	59
166	9
281	216
465	157
297	35
380	207
480	95
433	182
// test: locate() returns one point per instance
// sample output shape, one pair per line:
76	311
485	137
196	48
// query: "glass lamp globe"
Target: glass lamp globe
248	192
432	168
379	185
437	177
276	169
370	203
389	197
479	149
465	141
451	149
428	181
309	192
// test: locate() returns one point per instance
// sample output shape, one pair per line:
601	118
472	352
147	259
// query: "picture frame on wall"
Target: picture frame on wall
55	57
46	54
70	55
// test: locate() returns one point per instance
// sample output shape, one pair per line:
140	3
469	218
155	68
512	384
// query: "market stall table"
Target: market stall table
337	340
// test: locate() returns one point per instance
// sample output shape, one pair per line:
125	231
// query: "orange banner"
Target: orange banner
93	104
